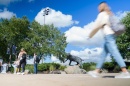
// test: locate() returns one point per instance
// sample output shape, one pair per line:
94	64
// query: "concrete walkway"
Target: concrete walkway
60	80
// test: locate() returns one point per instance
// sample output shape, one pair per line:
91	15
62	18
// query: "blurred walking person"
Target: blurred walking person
103	23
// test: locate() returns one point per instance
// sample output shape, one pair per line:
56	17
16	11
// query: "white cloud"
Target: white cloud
6	2
121	14
53	58
57	18
6	14
90	55
76	22
87	53
78	36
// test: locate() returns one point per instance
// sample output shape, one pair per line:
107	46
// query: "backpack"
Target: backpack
23	60
24	56
38	59
117	26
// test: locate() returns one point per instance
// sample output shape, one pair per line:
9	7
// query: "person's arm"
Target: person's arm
98	24
94	31
25	52
19	56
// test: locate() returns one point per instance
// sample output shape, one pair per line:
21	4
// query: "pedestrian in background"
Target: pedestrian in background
22	58
35	63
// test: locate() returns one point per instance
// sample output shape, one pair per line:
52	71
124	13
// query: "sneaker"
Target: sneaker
93	74
15	73
18	73
123	75
22	73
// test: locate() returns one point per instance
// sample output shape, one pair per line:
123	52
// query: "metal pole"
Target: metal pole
44	19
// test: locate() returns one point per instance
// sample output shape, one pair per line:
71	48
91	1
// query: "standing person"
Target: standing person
35	63
1	62
9	67
0	66
22	58
16	66
23	62
102	22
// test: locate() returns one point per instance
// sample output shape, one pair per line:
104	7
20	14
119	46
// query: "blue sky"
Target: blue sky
73	17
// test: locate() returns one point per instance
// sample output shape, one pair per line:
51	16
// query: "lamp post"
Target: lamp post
46	11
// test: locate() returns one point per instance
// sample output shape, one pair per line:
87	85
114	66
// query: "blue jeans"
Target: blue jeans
110	47
35	68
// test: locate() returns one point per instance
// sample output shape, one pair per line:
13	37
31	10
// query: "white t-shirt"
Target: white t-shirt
103	18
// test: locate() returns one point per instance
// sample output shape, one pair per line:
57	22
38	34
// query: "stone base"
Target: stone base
26	72
74	70
55	72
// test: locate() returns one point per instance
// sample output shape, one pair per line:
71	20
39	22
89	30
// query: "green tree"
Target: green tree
12	32
123	41
47	39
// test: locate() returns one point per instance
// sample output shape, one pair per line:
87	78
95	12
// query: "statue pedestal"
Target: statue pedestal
74	70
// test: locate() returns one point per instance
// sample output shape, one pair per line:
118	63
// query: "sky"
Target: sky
75	18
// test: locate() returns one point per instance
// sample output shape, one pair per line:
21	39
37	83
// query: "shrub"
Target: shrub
108	65
52	68
48	66
62	68
11	69
43	67
30	68
128	67
92	67
56	65
111	67
89	66
116	69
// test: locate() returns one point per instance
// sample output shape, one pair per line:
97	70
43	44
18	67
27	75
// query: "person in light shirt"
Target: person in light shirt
22	60
103	23
16	66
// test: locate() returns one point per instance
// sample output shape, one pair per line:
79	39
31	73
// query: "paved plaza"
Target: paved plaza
60	80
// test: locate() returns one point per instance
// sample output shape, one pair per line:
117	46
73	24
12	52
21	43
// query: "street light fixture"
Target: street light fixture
46	12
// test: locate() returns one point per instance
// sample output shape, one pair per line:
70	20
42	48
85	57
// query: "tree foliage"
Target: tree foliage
123	41
12	32
35	38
